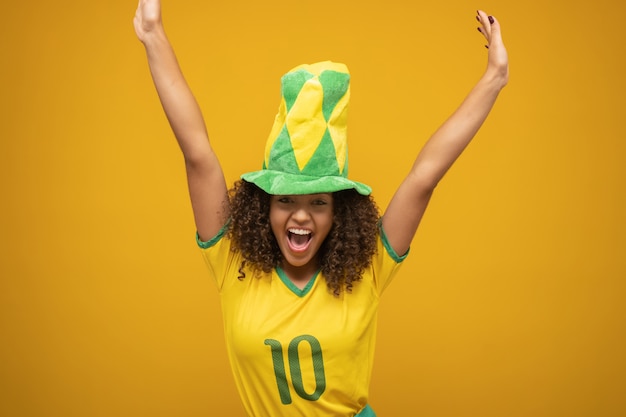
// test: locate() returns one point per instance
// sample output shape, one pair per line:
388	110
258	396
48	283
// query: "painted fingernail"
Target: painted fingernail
478	18
487	46
479	30
491	19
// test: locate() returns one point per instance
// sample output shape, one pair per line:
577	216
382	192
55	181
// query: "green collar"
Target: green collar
297	291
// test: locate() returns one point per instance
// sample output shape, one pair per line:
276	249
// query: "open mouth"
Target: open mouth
299	239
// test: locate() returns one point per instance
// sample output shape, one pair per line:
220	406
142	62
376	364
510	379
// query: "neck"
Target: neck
300	275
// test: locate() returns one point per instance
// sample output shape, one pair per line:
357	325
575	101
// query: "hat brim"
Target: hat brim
281	183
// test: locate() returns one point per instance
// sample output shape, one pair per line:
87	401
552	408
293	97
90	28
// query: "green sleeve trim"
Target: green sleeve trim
297	291
366	412
388	247
211	242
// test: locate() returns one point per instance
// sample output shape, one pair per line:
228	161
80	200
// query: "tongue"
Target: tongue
299	241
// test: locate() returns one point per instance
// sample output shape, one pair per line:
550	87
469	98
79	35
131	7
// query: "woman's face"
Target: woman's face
300	224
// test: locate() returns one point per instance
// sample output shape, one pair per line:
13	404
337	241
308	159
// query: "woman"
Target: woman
297	346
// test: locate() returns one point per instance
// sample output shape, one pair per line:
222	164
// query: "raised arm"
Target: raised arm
207	187
407	206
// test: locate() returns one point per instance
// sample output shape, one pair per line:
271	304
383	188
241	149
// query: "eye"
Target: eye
319	202
284	200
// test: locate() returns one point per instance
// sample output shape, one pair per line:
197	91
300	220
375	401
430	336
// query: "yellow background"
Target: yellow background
512	301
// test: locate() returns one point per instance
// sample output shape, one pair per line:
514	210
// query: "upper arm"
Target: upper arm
405	211
208	193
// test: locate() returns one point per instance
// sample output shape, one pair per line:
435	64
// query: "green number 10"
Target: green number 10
294	368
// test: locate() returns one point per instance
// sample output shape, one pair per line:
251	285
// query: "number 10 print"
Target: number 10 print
294	368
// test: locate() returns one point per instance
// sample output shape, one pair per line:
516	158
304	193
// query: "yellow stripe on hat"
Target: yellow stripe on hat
305	122
337	127
277	127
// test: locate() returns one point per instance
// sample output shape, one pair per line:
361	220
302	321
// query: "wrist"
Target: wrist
497	76
153	35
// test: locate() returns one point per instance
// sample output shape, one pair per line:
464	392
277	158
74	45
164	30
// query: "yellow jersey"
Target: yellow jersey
299	352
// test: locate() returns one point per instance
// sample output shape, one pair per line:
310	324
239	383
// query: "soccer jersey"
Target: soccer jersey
299	352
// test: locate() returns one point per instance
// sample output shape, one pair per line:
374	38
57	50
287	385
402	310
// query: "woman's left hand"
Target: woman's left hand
498	60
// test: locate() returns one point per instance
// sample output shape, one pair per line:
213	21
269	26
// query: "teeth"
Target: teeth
301	232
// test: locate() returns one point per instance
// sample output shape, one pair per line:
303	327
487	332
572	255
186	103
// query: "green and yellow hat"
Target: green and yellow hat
307	149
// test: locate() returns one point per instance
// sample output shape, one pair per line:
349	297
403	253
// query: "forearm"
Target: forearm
179	104
449	141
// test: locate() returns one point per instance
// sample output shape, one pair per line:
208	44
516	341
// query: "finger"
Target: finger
485	21
481	17
495	26
487	45
483	32
496	35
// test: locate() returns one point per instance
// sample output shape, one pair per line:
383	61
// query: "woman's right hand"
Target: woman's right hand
147	18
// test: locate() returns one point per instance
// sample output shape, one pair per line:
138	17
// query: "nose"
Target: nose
301	215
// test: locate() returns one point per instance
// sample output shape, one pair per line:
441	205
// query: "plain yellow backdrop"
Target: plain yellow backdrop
511	302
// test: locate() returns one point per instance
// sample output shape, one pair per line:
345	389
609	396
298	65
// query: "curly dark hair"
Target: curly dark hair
345	253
